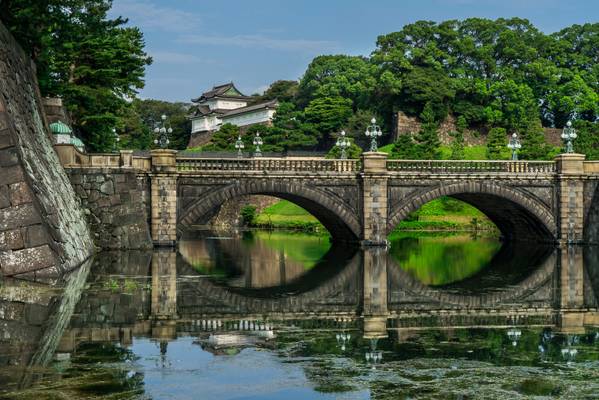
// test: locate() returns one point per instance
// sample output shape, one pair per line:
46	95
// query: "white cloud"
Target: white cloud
260	41
151	17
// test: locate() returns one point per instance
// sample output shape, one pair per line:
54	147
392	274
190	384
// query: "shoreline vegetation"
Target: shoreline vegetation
440	215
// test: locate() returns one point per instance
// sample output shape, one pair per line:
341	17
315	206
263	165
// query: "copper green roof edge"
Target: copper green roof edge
75	141
60	127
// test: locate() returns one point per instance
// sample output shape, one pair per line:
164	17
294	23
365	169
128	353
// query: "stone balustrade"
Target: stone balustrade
70	157
292	164
467	166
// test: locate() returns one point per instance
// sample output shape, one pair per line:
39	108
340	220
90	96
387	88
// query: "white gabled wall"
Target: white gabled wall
256	117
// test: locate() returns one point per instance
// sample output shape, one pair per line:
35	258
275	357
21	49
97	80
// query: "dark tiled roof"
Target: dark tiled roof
219	91
243	110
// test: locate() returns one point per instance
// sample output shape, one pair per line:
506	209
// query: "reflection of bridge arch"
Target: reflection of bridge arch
402	280
516	214
339	219
339	293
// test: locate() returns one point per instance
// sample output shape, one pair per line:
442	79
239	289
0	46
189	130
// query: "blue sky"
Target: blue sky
197	44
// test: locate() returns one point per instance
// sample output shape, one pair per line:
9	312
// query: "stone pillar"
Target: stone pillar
164	294
570	168
164	197
374	200
374	306
571	290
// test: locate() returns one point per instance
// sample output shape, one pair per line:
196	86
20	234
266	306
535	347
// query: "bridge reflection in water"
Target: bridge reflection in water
230	298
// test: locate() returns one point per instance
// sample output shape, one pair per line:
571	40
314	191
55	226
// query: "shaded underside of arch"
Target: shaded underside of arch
517	215
447	297
341	222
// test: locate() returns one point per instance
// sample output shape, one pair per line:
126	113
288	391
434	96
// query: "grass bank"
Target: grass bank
443	214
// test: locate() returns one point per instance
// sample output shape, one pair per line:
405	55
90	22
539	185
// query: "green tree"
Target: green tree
496	143
93	62
534	146
224	139
588	139
457	145
151	110
327	115
428	144
404	148
284	91
350	77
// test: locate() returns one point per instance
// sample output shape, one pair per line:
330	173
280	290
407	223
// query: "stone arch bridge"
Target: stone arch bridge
364	200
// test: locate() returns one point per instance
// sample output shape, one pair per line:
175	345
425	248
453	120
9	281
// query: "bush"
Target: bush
248	215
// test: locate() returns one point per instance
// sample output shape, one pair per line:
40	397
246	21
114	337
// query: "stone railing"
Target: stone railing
463	166
70	157
591	167
289	164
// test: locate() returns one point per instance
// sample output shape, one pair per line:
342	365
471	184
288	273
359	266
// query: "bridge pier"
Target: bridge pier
374	199
164	294
164	197
570	169
374	304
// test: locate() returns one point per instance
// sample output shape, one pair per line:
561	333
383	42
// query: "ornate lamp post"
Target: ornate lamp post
117	139
373	131
239	146
257	142
344	144
569	134
514	145
162	130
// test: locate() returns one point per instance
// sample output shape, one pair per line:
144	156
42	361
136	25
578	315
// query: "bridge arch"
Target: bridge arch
340	220
444	295
517	215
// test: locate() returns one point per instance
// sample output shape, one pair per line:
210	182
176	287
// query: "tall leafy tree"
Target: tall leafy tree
93	62
284	91
349	77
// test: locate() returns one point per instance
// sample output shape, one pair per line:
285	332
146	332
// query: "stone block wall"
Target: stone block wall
116	202
42	226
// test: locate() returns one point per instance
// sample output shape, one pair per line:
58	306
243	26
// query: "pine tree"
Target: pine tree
428	139
457	145
496	143
404	148
534	146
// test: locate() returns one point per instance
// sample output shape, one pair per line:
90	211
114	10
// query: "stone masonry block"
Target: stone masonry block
4	197
20	194
18	216
11	175
11	240
35	235
9	157
26	260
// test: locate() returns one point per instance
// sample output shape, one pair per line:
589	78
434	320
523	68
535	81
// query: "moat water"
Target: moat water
271	315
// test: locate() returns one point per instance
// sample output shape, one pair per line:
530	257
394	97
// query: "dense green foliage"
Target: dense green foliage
93	62
489	74
494	76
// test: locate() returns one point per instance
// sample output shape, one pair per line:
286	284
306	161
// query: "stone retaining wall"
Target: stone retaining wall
116	202
42	227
